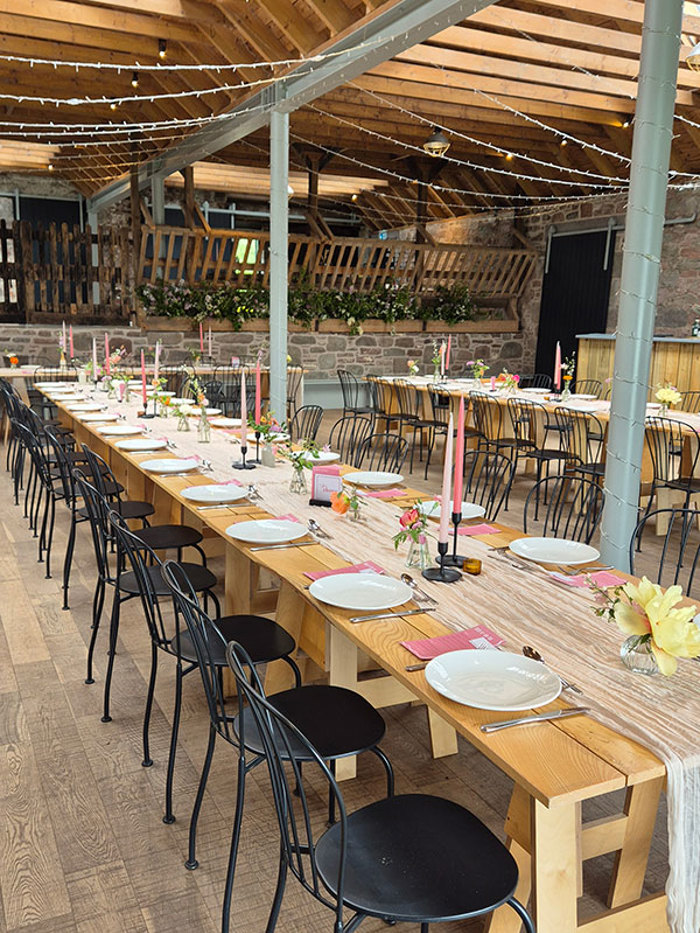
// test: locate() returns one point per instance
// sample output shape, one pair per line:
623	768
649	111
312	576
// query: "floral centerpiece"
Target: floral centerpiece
303	459
113	376
413	368
478	368
659	631
414	528
344	501
436	360
508	382
567	374
12	360
668	395
200	402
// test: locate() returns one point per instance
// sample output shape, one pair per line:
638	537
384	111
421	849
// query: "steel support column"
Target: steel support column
279	228
644	227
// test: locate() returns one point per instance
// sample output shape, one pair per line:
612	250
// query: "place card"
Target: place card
478	637
602	579
325	480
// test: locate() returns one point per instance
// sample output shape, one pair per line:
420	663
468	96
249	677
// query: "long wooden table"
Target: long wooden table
554	766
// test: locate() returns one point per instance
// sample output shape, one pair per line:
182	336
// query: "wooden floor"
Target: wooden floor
82	844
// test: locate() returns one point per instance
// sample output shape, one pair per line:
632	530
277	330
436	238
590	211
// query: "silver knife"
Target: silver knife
539	717
224	505
275	547
392	615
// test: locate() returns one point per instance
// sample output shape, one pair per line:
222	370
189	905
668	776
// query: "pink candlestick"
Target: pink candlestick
64	342
449	348
444	529
210	344
493	383
72	353
459	459
244	412
201	338
143	380
107	366
557	366
94	359
258	392
442	358
156	361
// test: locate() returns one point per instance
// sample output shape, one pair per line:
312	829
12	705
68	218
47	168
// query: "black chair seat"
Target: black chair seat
200	578
264	639
317	710
134	509
414	858
161	537
596	469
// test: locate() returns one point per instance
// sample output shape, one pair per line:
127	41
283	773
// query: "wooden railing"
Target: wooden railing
239	258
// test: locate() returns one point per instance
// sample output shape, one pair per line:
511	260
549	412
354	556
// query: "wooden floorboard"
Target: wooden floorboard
83	848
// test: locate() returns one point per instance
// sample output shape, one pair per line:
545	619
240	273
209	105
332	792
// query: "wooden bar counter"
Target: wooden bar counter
673	359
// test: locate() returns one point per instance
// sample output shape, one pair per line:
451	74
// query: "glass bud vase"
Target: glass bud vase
183	423
298	481
566	392
204	429
637	655
663	410
267	455
418	554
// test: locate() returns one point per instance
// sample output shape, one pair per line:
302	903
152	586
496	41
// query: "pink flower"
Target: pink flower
409	518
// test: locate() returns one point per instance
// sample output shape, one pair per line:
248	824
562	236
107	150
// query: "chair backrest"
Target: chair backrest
690	401
305	423
56	374
347	434
441	406
379	394
407	398
99	469
204	635
382	452
97	512
350	387
564	506
672	456
675	563
527	419
63	465
588	387
535	381
293	789
583	434
488	415
295	374
488	477
33	447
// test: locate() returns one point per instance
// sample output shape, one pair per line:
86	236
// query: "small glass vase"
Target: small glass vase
418	554
183	422
637	655
356	514
298	481
663	410
566	392
111	389
204	429
267	455
436	373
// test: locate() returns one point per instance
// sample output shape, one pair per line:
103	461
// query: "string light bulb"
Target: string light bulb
113	105
436	144
354	197
509	156
135	79
564	142
50	166
162	48
626	125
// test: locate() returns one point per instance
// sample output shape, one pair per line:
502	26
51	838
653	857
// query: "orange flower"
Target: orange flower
14	360
409	518
339	502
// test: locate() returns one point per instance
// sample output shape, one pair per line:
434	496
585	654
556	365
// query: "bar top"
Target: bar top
656	339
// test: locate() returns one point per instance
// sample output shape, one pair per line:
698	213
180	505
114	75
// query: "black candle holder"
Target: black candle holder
257	447
155	409
443	573
244	464
454	559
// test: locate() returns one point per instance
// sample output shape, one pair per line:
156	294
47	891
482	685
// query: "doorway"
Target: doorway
575	293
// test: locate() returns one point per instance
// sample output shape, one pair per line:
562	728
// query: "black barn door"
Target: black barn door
575	294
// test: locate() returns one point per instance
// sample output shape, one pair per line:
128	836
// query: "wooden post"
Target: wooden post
188	198
313	162
135	201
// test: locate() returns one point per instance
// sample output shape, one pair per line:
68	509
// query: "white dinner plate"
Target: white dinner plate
209	411
142	443
175	465
585	398
554	550
433	509
321	456
225	422
99	416
373	478
151	393
177	400
366	591
53	385
87	406
494	680
534	390
216	492
120	430
66	397
267	531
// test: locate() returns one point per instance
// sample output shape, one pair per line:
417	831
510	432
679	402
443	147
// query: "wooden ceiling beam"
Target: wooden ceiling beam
333	13
79	36
258	36
627	11
298	31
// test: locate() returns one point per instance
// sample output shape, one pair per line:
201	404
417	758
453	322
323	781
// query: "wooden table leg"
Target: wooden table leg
641	807
290	615
554	867
443	738
342	665
504	920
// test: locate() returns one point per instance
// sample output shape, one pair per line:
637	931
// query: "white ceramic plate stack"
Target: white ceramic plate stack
554	551
174	465
433	509
372	592
214	493
267	531
120	430
374	478
495	680
142	444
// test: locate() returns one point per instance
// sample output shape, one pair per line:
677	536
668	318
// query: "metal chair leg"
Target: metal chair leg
233	854
147	760
279	894
192	862
113	631
169	817
68	559
98	601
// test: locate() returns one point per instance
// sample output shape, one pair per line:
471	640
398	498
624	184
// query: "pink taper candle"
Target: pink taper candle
107	366
64	342
446	478
94	359
209	342
449	348
557	367
244	412
258	392
143	379
72	354
442	358
459	459
201	338
156	361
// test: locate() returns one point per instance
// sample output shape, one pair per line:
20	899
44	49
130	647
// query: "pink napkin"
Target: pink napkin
383	493
366	567
332	469
229	482
482	529
477	637
288	518
602	578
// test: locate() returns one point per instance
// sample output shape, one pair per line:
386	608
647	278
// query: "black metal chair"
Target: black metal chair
677	561
305	423
588	387
535	381
410	858
340	721
572	507
347	434
491	422
295	374
386	452
380	394
674	449
690	401
583	439
488	477
352	390
528	420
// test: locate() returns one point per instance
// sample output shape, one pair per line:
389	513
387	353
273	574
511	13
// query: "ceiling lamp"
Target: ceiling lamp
135	79
162	48
693	59
436	144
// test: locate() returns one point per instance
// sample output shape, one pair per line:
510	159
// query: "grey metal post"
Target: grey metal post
644	226
279	221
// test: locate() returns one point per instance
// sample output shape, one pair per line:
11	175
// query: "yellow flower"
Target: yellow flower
668	395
